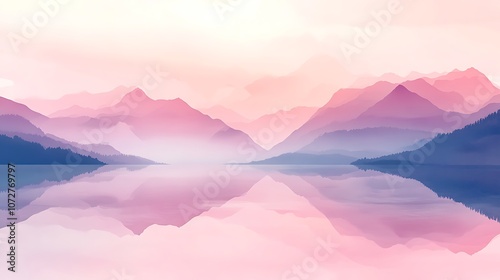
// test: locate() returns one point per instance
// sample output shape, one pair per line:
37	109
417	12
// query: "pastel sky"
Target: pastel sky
98	45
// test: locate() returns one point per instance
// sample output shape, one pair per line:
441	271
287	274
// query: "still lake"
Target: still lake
246	222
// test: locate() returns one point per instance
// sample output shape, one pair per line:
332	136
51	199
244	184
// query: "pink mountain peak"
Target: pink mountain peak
460	74
181	102
345	95
180	106
445	100
420	82
136	94
471	71
141	105
85	94
401	90
465	82
403	103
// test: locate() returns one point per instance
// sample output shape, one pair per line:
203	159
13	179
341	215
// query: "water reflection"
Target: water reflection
33	180
477	187
34	175
162	221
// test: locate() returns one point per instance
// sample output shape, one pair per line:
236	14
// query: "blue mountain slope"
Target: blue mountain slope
18	151
475	144
306	159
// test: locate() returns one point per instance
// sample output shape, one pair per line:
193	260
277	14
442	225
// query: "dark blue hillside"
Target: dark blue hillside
18	151
475	144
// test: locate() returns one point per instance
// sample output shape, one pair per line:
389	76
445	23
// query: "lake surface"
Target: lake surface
244	222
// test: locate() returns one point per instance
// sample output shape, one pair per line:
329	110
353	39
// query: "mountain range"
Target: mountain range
126	126
163	131
475	144
389	105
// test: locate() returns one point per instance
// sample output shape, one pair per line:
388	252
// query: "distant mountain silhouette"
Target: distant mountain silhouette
392	78
312	83
13	125
282	123
83	100
226	115
381	105
402	103
344	105
475	144
307	159
167	131
9	107
171	131
467	83
415	104
344	146
370	141
347	104
404	109
17	124
17	119
18	151
447	101
74	111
